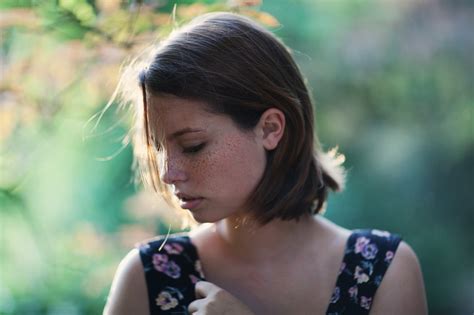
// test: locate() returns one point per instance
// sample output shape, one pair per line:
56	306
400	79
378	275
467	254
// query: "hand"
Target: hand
212	300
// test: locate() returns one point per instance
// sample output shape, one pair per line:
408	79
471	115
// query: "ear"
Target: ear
271	127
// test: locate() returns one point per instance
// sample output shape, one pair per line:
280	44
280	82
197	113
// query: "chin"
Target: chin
204	216
202	220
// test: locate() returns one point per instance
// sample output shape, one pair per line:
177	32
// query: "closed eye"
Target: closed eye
194	149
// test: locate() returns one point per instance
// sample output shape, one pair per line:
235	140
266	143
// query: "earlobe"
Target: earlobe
272	123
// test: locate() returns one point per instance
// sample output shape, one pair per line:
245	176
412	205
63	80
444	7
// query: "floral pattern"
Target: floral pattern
365	302
335	295
389	256
353	293
194	279
381	233
173	248
168	267
172	270
360	276
166	301
367	257
361	243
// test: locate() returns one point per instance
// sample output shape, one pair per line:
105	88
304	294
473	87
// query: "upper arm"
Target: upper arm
128	294
402	290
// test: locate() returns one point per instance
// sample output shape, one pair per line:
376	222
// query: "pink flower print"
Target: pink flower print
353	291
389	256
166	301
381	233
335	295
166	266
173	249
173	270
370	251
194	279
343	266
360	276
365	302
160	261
361	242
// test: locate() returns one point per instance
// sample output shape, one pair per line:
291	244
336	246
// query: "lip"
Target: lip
188	202
191	204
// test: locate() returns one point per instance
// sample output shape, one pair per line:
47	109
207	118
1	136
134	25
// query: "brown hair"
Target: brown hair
241	69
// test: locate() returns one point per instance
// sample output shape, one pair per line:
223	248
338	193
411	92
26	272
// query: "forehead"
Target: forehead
168	105
169	114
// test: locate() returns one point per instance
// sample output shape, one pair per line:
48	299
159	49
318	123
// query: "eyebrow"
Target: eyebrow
183	131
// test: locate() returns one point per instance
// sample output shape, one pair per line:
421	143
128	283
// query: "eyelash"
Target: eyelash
195	149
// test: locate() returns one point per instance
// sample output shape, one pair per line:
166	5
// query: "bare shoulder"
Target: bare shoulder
402	290
128	294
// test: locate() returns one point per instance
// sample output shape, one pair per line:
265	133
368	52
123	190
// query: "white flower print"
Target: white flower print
166	301
335	295
381	233
360	276
365	302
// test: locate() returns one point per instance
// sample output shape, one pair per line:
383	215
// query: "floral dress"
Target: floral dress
172	269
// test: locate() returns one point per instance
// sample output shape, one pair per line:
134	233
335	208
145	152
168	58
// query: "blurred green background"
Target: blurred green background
393	82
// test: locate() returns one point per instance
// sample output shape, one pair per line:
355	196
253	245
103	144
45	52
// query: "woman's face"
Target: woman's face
211	164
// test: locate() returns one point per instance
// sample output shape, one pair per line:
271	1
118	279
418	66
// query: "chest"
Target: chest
295	286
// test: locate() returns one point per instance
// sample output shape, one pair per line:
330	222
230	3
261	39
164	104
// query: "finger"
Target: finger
204	288
195	306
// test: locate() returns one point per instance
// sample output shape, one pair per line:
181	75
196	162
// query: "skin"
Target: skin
223	172
260	274
210	299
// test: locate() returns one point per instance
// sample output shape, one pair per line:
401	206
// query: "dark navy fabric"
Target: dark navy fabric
172	268
366	259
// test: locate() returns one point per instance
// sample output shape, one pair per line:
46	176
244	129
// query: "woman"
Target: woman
228	130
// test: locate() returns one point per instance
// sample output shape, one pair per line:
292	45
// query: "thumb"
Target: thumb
204	288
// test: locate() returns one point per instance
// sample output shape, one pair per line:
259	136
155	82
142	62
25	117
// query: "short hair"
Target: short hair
240	69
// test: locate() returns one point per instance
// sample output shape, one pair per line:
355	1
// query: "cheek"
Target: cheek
234	164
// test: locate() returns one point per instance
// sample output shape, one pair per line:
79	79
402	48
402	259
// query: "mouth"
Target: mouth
189	202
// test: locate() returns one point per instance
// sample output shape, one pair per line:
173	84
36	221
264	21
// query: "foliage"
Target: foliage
393	87
67	217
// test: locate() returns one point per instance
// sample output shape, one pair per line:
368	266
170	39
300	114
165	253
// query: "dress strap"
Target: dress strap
367	256
171	268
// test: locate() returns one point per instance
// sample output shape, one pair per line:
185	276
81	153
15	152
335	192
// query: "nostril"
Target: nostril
166	178
171	175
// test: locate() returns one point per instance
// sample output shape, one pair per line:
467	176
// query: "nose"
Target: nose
172	171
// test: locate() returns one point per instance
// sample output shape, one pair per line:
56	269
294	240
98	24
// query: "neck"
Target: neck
245	239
